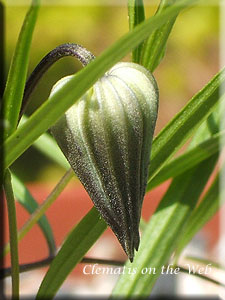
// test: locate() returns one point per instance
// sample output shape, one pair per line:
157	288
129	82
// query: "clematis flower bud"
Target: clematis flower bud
106	137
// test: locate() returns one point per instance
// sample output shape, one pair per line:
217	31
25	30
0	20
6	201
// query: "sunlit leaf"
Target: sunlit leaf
29	203
155	46
189	159
207	208
136	15
78	242
18	70
180	128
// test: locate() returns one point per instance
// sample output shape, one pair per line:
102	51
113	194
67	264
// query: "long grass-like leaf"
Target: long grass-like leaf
136	15
24	136
78	242
48	146
29	203
187	160
18	71
207	208
154	47
180	128
210	203
40	211
204	261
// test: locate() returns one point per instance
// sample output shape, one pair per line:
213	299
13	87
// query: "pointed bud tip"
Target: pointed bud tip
131	259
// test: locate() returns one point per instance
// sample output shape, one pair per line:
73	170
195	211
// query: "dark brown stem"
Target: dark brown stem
5	272
82	54
103	261
45	262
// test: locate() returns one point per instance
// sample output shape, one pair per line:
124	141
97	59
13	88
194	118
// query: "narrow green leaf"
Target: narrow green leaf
18	70
189	159
136	13
29	203
201	276
180	128
24	136
48	146
163	231
40	211
206	262
209	128
78	242
207	208
154	47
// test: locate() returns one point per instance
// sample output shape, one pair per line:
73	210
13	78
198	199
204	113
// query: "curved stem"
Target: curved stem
82	54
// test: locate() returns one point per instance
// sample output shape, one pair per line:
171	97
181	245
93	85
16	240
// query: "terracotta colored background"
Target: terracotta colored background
68	209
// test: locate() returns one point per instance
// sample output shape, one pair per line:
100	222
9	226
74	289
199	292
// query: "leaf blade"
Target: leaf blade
18	70
24	197
73	249
207	208
186	161
180	128
155	46
48	146
136	15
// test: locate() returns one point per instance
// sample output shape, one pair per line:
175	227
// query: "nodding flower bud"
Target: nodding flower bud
106	137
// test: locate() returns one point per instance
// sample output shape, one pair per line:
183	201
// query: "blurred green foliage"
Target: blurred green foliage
191	58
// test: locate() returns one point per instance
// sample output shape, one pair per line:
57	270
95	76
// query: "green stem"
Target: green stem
12	234
43	207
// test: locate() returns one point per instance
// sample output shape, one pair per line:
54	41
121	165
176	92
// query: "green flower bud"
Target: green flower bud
106	136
